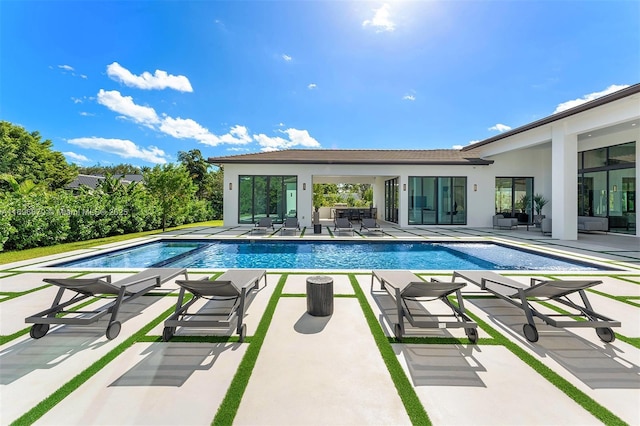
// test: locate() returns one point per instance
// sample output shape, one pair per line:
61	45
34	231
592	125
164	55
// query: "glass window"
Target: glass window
514	196
595	158
267	196
437	200
622	154
595	195
610	190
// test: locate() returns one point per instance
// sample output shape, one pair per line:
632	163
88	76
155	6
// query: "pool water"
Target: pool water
327	255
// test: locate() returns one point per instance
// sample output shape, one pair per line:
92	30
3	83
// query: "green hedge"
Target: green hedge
48	218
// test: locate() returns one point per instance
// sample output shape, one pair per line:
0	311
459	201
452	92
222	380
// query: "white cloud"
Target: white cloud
296	138
286	57
500	127
86	114
458	147
381	20
159	80
589	97
122	148
181	128
66	67
124	105
312	86
76	157
409	98
76	100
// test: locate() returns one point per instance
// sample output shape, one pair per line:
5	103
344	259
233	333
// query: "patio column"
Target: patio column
564	188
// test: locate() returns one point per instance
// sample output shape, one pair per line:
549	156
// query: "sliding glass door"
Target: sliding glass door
437	200
267	196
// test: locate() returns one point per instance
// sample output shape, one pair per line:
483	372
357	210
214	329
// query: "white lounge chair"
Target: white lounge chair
521	295
122	291
405	286
234	285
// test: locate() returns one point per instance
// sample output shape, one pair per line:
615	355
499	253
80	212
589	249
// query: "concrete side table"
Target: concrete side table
320	296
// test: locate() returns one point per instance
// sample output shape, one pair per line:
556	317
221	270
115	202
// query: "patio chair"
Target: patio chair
234	285
405	286
122	291
501	222
290	224
370	225
342	224
262	226
521	295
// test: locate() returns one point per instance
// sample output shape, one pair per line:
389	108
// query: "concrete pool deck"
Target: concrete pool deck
344	369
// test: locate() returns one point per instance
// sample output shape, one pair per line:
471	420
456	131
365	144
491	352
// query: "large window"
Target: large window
267	196
437	200
607	185
514	198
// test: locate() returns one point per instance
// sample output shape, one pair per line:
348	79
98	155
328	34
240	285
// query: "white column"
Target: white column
564	188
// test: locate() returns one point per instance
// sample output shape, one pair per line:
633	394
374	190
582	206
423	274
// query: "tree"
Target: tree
117	170
172	187
26	157
198	169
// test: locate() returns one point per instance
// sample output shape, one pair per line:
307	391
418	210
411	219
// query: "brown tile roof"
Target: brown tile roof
346	156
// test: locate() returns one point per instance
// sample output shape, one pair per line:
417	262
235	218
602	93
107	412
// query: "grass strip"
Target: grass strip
194	339
337	296
413	405
13	295
633	341
10	337
231	402
431	340
65	390
582	399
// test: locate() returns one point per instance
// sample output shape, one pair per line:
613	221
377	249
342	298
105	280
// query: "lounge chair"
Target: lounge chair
370	225
290	224
263	225
521	295
343	225
122	291
405	286
234	285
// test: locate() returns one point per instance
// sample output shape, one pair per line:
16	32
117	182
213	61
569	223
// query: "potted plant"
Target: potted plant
539	202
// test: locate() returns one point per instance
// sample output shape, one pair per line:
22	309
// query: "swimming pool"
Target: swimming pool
319	255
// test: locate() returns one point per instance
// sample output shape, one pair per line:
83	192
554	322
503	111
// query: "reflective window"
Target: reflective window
437	200
267	196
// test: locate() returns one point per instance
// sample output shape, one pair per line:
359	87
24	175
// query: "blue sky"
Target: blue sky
114	82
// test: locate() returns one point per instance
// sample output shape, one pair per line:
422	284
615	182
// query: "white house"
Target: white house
582	160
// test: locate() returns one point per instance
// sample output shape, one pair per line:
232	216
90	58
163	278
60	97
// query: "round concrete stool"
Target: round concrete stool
320	296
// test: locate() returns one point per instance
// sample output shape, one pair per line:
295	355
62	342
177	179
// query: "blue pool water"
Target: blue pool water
327	255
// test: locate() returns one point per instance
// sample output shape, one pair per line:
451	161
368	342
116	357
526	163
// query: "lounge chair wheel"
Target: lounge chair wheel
167	333
38	330
472	334
530	332
606	334
397	331
243	332
113	329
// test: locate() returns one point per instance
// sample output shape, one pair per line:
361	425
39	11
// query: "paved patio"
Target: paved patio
345	369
